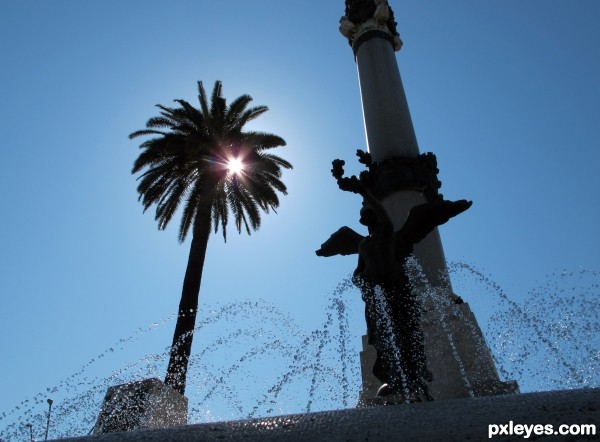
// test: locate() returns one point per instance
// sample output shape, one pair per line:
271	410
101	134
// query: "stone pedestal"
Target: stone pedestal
141	405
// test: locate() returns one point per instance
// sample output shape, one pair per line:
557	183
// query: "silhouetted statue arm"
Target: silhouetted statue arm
343	242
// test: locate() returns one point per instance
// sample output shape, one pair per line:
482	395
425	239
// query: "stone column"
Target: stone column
371	31
455	347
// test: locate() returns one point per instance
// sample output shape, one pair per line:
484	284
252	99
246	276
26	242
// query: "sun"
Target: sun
235	166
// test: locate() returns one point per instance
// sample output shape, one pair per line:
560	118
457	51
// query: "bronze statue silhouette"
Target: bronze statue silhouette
381	276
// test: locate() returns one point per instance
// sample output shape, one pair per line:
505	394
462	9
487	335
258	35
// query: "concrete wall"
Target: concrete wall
451	420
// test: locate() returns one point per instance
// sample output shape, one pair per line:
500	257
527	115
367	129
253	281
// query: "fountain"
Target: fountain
273	367
393	311
315	370
450	346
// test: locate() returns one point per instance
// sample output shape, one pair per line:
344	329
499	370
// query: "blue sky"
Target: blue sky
505	93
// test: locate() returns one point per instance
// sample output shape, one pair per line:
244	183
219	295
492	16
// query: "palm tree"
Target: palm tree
202	161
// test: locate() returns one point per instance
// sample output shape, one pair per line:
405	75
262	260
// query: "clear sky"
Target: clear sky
506	93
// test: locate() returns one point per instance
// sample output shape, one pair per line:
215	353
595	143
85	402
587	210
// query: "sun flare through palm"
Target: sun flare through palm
235	166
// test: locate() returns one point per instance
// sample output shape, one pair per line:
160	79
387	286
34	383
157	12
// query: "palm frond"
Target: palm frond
202	99
170	202
235	112
144	132
220	212
264	140
217	102
189	211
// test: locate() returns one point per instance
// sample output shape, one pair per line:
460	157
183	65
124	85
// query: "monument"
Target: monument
449	358
403	182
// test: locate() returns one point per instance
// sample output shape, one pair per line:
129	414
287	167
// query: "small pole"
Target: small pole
30	432
48	422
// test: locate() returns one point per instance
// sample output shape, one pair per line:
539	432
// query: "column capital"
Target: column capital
364	19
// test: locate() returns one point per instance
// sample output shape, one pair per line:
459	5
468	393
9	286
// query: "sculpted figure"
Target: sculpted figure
382	11
401	364
369	14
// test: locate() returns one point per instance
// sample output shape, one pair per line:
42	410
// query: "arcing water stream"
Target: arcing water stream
251	360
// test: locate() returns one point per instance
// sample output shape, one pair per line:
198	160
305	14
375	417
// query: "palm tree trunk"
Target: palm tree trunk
188	306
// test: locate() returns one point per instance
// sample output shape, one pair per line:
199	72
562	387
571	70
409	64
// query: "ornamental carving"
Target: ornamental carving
363	17
395	174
